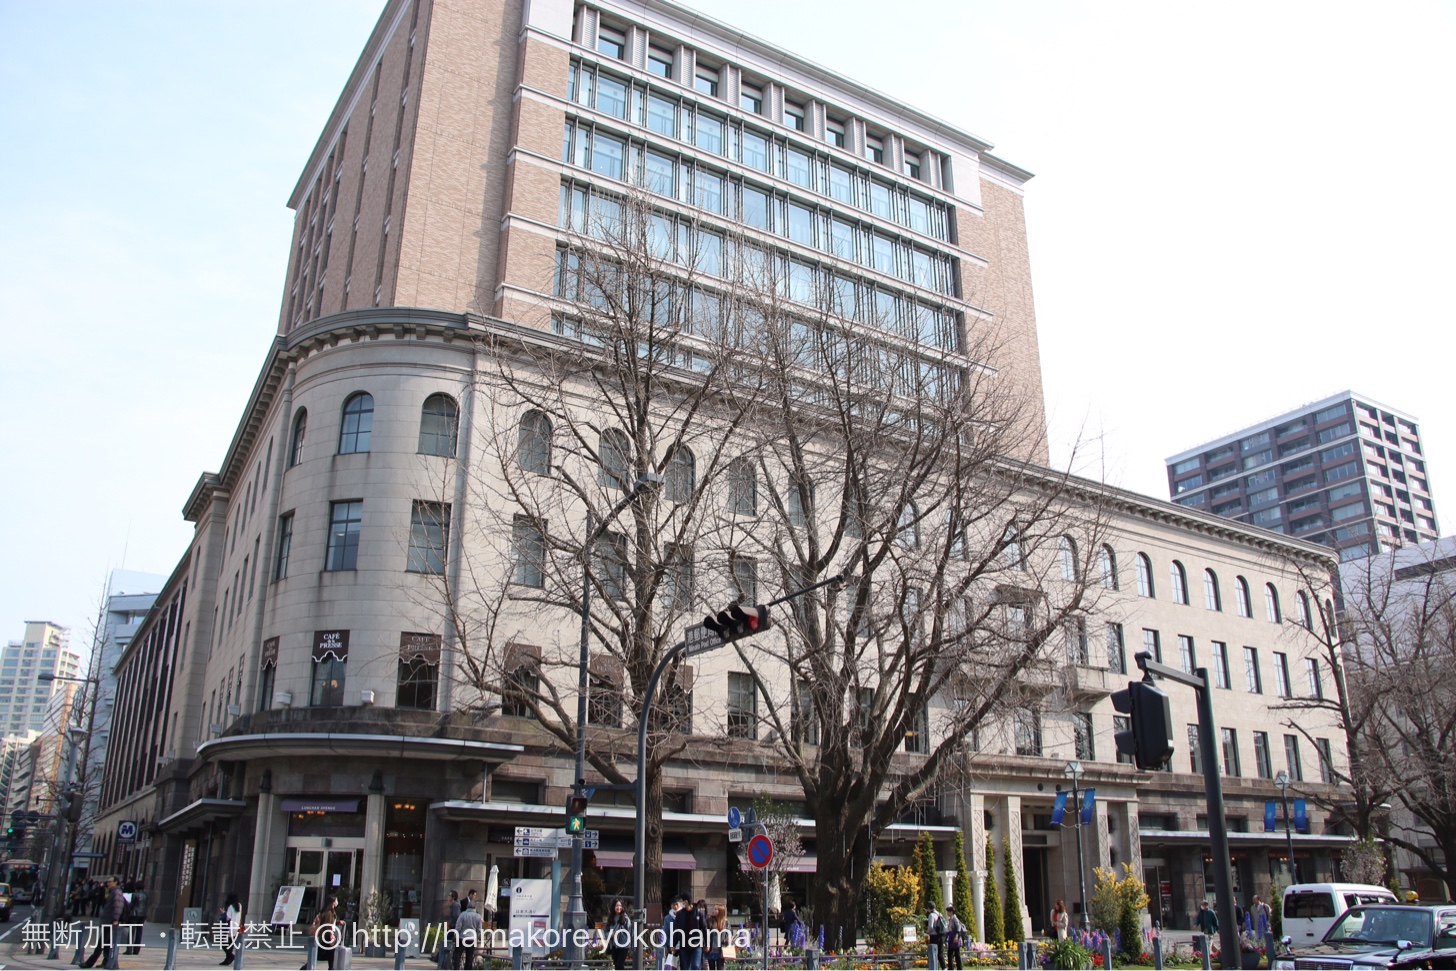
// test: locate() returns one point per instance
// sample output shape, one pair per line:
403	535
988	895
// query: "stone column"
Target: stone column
1101	838
369	878
1010	826
258	888
978	901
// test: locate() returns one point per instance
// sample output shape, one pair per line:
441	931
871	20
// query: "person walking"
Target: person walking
935	928
471	928
955	936
111	916
1207	923
1061	920
327	932
619	935
718	931
231	918
451	914
793	926
136	917
692	927
1263	914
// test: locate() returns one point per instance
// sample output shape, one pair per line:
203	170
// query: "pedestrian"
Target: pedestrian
451	913
230	919
669	926
471	897
955	936
97	896
619	935
692	928
1238	916
935	928
717	939
471	929
1207	923
793	927
1263	914
326	930
1061	920
136	916
110	925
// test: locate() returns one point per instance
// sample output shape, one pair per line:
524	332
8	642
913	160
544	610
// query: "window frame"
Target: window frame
297	436
356	424
408	677
1146	587
422	556
741	721
341	553
285	546
440	428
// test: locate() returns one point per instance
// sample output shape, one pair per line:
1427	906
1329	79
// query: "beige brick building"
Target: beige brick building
291	707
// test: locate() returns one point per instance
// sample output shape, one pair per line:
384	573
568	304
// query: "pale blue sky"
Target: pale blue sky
1215	182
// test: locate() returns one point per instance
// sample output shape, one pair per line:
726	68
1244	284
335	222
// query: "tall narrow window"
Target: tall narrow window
439	425
345	519
1263	763
609	560
358	421
1028	731
1220	665
265	685
1179	578
907	529
1271	604
1186	658
1316	683
528	547
1153	644
1067	547
613	453
1122	723
742	488
1076	641
806	717
1230	751
1195	751
1212	598
1107	567
682	476
417	683
429	537
521	689
330	655
604	701
285	545
1252	678
742	706
1145	576
1281	674
678	575
1012	552
1302	611
1292	759
917	733
1082	736
745	578
295	441
1116	653
1241	593
533	446
1326	763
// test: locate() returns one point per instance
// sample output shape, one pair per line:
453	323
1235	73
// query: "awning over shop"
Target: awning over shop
808	863
622	859
201	811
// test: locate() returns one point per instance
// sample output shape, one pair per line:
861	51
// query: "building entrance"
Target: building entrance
322	866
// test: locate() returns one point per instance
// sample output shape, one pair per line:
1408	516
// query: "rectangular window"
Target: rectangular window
800	170
742	706
520	691
1186	658
1028	731
1220	665
1195	751
328	682
1153	644
659	175
1326	763
1316	685
708	190
662	116
793	116
875	150
1263	764
1116	653
607	154
801	224
611	97
1252	679
841	184
1122	723
285	545
1082	730
917	735
659	62
345	519
429	537
755	150
611	43
679	576
755	207
417	684
1076	641
745	577
750	99
1281	674
609	562
1292	759
265	686
708	133
706	82
1230	751
604	702
528	546
834	133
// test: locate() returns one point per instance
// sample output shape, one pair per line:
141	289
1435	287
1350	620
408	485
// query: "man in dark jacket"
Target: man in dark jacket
107	933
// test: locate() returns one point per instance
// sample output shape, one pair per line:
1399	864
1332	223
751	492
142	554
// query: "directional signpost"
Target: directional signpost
543	841
699	639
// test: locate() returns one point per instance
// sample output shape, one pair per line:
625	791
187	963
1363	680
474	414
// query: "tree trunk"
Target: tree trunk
839	881
652	852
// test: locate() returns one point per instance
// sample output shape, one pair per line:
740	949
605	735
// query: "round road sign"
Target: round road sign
760	851
734	817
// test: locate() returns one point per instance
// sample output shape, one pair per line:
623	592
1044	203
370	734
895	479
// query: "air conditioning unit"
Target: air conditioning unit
366	697
234	711
215	728
283	699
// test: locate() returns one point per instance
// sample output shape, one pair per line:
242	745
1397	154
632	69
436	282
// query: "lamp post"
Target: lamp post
575	911
1282	780
1074	772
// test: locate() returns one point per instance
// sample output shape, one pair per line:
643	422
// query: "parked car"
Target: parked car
1310	909
1379	936
5	901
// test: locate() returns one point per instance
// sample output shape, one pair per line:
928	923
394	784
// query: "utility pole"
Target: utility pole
1074	769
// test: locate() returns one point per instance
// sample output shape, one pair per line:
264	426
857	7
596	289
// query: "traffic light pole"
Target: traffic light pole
1228	929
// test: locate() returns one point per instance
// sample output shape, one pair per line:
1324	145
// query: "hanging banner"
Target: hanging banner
1301	816
1087	803
1271	815
1059	809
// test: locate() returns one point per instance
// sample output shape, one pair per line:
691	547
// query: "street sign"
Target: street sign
537	832
735	818
699	639
126	831
543	851
760	851
735	835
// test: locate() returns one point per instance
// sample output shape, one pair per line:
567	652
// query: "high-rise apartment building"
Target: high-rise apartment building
1345	471
296	693
45	650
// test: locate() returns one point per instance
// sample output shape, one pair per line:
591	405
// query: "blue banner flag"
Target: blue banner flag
1059	809
1271	815
1301	816
1087	802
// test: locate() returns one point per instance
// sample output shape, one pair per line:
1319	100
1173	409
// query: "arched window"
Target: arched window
358	421
439	425
682	475
1067	547
1107	567
613	450
295	441
1212	598
1145	576
1179	578
907	529
1241	593
1015	557
1271	604
742	488
533	443
1301	605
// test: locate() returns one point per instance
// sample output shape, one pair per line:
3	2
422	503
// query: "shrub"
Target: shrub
930	891
1067	954
965	905
1014	929
995	927
1117	905
891	894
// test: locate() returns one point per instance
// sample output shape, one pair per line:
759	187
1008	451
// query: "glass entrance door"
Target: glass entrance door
323	871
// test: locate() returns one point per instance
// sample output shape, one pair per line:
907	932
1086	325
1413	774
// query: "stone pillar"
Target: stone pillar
978	901
369	878
258	888
1010	826
947	885
1126	814
1101	838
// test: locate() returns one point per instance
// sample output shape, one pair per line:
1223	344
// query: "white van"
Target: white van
1310	909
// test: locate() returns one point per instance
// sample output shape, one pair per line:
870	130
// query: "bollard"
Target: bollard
399	954
1203	944
811	958
1158	953
1107	952
516	957
171	938
237	954
1021	956
1269	945
932	962
80	951
310	954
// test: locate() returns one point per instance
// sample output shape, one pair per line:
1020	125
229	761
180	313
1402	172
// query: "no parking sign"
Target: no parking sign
760	851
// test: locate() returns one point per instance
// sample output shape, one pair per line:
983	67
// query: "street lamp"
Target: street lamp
576	912
1282	780
1074	772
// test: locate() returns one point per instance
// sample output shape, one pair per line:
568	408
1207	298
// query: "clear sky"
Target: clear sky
1238	208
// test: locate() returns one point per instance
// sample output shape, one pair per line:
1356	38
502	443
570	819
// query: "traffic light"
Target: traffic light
1150	742
738	622
576	815
71	806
